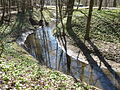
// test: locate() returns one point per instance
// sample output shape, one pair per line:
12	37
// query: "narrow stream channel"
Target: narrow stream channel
44	47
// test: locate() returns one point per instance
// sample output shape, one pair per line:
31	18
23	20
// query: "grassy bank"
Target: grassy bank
19	70
105	25
104	33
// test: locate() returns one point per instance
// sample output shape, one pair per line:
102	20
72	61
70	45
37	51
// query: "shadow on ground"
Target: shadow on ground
106	83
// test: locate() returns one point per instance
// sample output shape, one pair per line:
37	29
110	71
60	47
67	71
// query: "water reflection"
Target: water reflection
43	46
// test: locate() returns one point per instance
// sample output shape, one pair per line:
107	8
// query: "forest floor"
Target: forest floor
104	34
104	43
20	71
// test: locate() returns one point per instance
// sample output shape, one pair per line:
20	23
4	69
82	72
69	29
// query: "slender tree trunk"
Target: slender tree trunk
87	37
1	48
0	3
9	7
106	3
96	2
42	4
57	63
3	13
100	5
78	4
70	13
86	2
114	3
68	25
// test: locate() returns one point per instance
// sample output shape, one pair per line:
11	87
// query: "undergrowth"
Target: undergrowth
19	71
105	25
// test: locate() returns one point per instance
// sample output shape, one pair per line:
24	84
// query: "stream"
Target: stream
43	46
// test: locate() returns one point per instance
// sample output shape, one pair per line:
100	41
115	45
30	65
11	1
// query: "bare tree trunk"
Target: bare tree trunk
78	4
86	2
9	11
0	3
106	3
68	25
100	5
69	12
87	37
1	48
96	2
3	13
42	4
114	3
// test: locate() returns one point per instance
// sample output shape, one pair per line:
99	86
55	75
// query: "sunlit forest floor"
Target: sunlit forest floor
104	33
20	71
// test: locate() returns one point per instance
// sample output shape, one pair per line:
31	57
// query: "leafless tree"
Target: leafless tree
3	11
114	3
100	4
87	36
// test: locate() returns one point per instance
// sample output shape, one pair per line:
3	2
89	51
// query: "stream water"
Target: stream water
44	47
